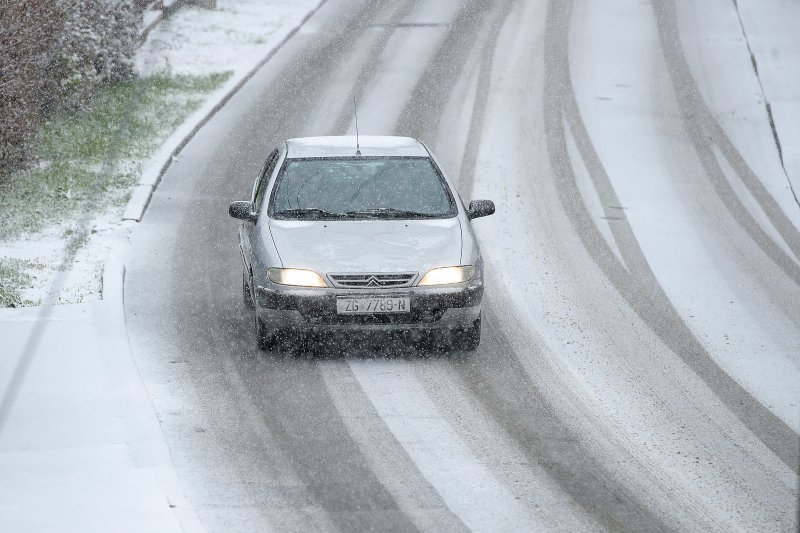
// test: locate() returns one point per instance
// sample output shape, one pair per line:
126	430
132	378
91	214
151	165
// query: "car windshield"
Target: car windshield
363	187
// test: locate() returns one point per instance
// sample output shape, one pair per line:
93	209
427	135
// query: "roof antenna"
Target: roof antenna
355	111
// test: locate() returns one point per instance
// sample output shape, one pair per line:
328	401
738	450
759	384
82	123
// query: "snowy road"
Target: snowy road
641	353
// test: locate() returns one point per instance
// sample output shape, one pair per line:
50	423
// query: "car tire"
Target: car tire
264	339
247	295
467	339
302	344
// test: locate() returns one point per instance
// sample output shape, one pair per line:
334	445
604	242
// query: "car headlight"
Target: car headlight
296	277
447	275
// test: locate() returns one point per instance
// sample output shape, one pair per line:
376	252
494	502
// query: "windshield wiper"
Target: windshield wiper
310	211
388	212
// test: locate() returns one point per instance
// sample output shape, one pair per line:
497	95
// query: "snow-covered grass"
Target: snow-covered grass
85	164
136	112
89	163
87	160
14	278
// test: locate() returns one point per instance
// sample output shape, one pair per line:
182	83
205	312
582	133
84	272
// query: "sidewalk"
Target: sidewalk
81	449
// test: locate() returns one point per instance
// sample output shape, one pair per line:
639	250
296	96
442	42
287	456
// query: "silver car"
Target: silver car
369	234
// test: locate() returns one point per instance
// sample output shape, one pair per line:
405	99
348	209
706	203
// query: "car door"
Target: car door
247	228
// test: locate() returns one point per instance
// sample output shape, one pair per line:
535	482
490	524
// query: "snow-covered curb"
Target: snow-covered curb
158	164
151	17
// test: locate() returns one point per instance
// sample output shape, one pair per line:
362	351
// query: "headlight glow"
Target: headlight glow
296	277
447	275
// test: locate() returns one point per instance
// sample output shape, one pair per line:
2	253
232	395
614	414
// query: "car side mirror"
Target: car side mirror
480	208
243	211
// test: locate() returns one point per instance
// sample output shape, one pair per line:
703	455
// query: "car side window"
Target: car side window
264	179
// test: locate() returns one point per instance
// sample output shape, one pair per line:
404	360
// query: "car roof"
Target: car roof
345	146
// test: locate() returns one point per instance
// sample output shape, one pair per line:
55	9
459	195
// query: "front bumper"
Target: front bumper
431	308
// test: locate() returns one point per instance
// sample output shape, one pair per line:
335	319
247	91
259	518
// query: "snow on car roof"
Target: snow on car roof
343	146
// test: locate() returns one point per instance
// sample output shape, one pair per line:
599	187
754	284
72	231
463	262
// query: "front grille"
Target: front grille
373	281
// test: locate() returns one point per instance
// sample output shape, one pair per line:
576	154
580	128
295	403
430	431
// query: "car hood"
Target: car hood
342	246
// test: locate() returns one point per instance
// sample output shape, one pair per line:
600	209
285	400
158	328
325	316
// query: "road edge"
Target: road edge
112	286
158	165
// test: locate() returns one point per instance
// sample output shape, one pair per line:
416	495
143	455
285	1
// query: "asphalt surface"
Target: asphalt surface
373	434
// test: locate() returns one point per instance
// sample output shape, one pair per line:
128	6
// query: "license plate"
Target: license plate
369	305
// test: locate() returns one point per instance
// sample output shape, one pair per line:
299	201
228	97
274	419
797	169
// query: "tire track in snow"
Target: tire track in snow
421	501
500	383
469	501
421	115
368	71
501	386
433	87
706	134
468	487
638	286
641	466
